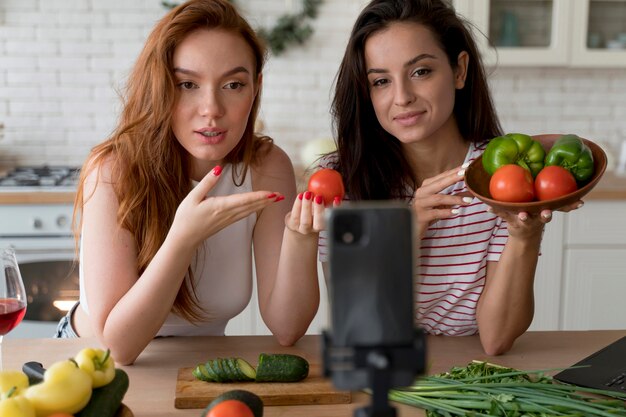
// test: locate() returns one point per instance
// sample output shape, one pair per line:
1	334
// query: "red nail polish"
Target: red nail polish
336	200
319	199
300	196
308	195
217	170
280	198
271	195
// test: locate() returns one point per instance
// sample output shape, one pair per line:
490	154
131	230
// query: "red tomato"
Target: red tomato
230	408
512	183
553	182
327	183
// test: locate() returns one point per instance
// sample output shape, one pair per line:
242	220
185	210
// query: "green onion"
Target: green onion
482	389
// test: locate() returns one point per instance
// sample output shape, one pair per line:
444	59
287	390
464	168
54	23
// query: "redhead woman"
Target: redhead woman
176	202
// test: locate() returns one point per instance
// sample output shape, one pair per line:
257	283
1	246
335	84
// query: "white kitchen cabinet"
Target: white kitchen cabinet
581	277
577	33
599	33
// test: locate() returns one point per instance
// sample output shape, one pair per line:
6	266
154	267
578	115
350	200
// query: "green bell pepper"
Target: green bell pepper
514	148
571	153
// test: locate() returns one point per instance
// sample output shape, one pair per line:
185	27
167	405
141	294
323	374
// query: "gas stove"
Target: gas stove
40	178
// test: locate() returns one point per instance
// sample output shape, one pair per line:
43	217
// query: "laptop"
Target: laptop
604	369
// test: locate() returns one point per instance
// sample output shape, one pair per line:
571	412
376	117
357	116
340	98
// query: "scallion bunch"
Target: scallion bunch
483	389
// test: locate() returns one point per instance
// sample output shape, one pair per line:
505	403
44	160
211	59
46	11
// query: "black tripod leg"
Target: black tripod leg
381	383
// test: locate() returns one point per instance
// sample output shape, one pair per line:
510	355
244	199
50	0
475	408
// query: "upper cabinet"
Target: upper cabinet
581	33
600	36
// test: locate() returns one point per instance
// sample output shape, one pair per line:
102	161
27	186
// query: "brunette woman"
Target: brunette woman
412	109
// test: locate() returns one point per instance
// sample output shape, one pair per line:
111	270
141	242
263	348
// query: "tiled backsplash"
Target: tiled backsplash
62	62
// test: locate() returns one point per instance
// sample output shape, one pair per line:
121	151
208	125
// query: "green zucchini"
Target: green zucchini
106	400
281	368
250	399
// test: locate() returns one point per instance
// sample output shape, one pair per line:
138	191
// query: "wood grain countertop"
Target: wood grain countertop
153	376
610	187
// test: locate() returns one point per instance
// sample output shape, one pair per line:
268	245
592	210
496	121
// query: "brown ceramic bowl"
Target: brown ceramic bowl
477	181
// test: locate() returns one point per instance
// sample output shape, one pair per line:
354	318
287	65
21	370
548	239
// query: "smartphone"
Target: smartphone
372	260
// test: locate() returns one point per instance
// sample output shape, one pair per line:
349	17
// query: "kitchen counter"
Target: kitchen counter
153	376
610	187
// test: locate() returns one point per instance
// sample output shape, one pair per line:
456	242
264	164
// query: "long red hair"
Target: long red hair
150	169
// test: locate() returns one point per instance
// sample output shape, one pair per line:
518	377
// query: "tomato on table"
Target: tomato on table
328	183
553	182
512	183
230	408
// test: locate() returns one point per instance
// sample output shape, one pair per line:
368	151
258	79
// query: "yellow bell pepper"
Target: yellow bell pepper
98	364
12	404
65	389
10	379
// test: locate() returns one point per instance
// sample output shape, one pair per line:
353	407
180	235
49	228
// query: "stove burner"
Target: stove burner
40	176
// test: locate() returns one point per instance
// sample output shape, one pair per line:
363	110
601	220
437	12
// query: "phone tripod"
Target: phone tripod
384	367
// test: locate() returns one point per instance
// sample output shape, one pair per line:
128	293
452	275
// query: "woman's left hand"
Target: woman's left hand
524	224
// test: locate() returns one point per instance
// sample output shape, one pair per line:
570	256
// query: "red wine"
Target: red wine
11	314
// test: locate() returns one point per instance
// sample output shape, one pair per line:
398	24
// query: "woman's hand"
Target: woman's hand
307	215
199	216
525	225
429	205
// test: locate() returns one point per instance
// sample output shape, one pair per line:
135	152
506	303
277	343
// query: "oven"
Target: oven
40	231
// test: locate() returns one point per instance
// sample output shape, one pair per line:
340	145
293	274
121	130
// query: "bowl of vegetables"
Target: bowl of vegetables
519	173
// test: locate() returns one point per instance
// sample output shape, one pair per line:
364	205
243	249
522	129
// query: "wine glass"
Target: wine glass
12	294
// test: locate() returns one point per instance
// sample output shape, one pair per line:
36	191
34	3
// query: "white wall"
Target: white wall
61	62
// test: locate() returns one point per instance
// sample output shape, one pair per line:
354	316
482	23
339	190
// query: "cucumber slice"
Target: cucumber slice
246	369
201	373
217	373
281	368
231	364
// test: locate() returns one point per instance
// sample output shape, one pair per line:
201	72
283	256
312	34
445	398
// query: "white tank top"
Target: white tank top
222	269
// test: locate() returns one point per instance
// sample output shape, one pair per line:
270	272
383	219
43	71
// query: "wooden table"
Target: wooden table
153	376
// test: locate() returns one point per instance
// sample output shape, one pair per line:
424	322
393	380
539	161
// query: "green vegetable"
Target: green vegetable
281	368
225	370
571	153
514	148
106	400
482	389
271	368
252	400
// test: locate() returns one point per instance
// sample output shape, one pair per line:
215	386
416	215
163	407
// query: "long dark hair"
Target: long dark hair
370	160
150	168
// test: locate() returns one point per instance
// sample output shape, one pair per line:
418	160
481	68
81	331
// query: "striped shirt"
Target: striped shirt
452	263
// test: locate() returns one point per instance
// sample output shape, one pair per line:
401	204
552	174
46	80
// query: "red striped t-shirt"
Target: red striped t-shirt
452	263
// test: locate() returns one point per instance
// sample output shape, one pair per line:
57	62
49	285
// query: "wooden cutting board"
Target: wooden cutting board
192	393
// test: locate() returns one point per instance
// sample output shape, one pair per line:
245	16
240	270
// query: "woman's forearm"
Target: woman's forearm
294	299
506	306
138	316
